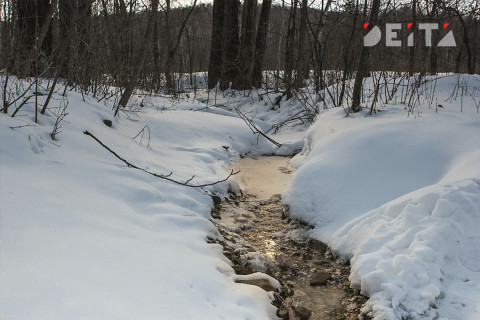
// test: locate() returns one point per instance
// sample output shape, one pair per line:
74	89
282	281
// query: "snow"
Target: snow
400	197
82	236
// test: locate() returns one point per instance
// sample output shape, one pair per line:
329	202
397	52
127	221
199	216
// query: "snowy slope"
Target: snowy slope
84	237
400	197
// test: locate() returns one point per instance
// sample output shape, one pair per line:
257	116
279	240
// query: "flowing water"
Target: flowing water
258	237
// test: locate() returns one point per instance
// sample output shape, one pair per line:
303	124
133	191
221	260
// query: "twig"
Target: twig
21	105
161	176
143	132
26	125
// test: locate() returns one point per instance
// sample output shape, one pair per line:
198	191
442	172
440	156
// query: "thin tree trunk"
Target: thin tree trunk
156	58
289	52
231	44
433	49
364	62
247	45
346	69
261	43
301	59
411	64
141	59
170	83
470	65
216	61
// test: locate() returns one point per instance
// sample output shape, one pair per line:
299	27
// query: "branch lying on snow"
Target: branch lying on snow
161	176
254	128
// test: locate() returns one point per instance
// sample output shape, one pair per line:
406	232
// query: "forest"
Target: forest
278	46
227	159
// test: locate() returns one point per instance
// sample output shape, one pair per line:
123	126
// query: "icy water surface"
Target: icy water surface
263	177
258	237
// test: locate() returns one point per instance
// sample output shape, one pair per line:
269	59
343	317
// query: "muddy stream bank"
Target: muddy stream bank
260	238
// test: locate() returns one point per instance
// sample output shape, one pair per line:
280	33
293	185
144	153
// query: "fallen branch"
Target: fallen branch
26	125
161	176
254	128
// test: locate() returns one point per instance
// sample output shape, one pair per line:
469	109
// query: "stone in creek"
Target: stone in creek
303	312
217	202
319	278
317	245
262	283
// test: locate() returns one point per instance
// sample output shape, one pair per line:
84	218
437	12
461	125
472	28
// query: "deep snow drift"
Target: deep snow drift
400	196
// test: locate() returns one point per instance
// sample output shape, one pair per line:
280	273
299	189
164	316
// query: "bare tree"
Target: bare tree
301	58
290	50
261	43
364	62
231	44
216	59
247	46
141	58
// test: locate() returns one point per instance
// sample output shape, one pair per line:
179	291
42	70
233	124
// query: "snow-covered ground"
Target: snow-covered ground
400	197
83	236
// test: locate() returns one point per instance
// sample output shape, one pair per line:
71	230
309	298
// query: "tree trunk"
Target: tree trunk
170	83
230	45
470	65
261	43
364	62
156	58
433	16
216	61
146	40
247	45
301	59
411	64
347	61
289	52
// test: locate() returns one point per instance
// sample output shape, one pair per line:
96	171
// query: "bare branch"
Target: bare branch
161	176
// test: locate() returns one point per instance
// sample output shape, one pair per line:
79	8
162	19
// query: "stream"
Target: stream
259	238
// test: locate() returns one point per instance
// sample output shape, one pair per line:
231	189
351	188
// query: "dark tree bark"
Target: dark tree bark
411	64
169	52
433	16
156	58
247	45
216	61
290	50
364	62
261	43
230	45
301	54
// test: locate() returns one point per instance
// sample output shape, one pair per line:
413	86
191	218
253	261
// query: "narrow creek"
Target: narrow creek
259	238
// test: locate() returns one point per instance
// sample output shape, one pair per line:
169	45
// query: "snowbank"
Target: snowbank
400	196
84	237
